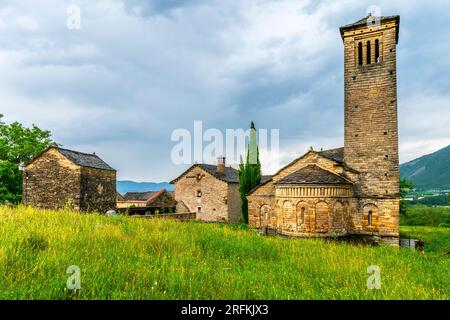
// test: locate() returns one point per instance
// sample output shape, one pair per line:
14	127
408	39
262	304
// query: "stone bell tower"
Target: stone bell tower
371	129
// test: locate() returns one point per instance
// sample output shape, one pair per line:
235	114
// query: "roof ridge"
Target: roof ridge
78	152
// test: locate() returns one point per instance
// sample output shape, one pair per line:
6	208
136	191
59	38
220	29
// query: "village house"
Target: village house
354	190
211	191
59	178
147	203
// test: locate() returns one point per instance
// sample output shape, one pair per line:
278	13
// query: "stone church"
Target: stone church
354	190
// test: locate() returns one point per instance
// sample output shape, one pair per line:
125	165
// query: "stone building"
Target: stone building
354	190
211	191
60	178
146	203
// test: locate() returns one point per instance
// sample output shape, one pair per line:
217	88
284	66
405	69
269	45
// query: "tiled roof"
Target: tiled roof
334	154
85	159
313	174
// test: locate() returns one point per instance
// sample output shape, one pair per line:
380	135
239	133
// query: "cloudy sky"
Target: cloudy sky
138	70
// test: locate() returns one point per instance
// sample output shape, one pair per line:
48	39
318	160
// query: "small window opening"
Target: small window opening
369	58
199	209
199	193
377	51
385	133
360	53
369	218
302	215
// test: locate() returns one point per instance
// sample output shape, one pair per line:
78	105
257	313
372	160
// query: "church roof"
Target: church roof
334	154
364	21
312	174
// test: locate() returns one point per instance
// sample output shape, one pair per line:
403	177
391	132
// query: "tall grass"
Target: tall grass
131	258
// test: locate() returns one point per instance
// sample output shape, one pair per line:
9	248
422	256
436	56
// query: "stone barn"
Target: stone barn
60	178
351	191
211	191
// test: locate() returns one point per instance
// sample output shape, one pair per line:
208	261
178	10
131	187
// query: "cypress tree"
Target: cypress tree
249	172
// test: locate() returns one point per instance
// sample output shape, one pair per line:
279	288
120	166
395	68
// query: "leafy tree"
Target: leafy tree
18	144
250	172
10	183
405	187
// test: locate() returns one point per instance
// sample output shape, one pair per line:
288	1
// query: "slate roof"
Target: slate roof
230	175
139	196
363	22
85	159
313	174
334	154
79	158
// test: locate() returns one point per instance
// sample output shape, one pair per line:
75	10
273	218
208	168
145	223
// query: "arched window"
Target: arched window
369	218
360	53
369	60
377	51
302	215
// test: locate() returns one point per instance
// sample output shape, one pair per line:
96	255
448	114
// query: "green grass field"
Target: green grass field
436	239
134	258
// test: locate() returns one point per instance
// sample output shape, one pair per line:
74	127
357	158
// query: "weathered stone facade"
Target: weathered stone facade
352	190
60	178
212	194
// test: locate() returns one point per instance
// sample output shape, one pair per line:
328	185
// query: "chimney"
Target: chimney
220	165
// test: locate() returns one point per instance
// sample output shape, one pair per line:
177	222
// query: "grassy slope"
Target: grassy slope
430	171
126	258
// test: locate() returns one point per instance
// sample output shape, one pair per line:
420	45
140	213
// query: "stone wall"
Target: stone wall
98	190
262	207
234	203
52	182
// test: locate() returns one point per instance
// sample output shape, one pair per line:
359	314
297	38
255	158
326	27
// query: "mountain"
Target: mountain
431	171
132	186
